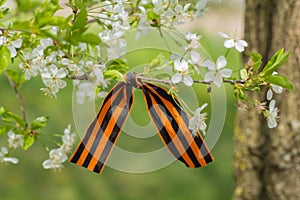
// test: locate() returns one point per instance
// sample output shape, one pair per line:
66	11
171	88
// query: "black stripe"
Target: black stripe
104	123
116	130
90	129
205	152
160	126
77	154
175	126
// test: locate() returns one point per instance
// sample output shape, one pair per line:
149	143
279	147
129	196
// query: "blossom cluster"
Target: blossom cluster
173	14
15	141
115	16
59	155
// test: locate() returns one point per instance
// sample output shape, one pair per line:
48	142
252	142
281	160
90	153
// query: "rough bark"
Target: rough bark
267	161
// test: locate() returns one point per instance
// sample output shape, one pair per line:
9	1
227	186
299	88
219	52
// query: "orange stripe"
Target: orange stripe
180	148
107	133
204	143
183	126
93	135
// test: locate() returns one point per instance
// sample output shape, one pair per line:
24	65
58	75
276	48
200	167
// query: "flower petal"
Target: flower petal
272	105
187	80
178	8
61	84
17	43
229	43
177	65
12	160
218	80
209	64
223	35
269	94
221	62
195	57
13	52
276	88
176	78
47	164
239	48
61	73
4	151
209	76
226	73
203	106
241	43
272	123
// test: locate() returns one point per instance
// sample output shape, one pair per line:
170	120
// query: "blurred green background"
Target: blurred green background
28	180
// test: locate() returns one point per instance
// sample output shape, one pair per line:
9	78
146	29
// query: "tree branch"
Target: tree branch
169	82
19	97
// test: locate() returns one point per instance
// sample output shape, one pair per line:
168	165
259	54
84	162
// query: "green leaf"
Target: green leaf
10	117
44	14
2	2
113	74
78	3
256	60
28	141
54	2
21	25
4	58
280	80
39	122
27	5
3	12
151	15
157	62
4	129
119	65
240	94
53	21
244	74
81	19
279	58
90	38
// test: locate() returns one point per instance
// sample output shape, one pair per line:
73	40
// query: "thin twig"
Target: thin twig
19	97
168	82
82	77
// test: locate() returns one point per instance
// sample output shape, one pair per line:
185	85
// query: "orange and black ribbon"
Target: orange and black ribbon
170	121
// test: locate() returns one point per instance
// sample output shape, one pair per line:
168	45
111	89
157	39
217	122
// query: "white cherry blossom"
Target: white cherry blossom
276	88
57	157
197	122
196	60
182	73
193	39
52	78
85	90
30	70
271	114
68	139
5	158
158	6
232	41
15	140
216	71
200	6
11	45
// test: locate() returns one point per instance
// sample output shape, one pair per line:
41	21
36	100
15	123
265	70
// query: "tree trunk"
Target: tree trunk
267	161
